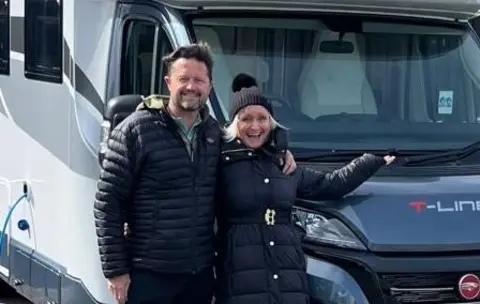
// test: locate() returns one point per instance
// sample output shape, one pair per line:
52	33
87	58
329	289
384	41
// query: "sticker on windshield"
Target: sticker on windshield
445	102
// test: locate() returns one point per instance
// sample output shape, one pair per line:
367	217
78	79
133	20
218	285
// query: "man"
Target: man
159	175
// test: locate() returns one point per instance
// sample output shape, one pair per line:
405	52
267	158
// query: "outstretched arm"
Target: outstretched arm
313	184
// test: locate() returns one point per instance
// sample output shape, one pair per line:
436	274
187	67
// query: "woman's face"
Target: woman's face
254	126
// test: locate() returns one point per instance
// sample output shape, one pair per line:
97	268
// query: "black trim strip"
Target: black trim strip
80	81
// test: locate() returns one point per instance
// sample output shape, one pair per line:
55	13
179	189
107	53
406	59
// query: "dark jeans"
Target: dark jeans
155	288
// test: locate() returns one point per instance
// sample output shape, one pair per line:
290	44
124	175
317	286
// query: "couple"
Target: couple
170	170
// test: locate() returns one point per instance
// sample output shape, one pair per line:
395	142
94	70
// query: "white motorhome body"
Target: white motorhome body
51	102
60	61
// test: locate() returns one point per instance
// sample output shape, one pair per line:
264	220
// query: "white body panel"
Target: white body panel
61	212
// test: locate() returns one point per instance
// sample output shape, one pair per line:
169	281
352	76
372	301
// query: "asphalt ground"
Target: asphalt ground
8	296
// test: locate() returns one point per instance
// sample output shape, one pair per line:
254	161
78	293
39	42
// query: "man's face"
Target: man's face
189	84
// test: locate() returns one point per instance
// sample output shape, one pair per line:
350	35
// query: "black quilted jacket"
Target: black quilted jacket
260	256
149	180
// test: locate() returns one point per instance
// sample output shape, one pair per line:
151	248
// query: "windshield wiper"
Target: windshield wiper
443	157
327	156
348	155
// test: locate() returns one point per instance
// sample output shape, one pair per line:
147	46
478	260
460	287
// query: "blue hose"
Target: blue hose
7	219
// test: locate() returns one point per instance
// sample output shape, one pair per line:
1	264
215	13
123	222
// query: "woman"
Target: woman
260	259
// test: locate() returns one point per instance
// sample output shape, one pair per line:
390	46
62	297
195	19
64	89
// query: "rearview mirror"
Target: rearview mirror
337	47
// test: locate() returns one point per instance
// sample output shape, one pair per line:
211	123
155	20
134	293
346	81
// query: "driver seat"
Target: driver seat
332	83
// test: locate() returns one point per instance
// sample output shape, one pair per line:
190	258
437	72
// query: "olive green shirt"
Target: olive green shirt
189	135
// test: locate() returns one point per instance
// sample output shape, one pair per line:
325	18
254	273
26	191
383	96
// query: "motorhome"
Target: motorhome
346	77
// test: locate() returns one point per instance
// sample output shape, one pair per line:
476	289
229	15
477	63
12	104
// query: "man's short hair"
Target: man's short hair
199	51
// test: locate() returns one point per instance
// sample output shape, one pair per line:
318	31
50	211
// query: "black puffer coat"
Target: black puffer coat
260	261
167	197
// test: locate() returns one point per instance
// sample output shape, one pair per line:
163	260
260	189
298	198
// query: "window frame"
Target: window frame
128	28
49	74
156	81
6	55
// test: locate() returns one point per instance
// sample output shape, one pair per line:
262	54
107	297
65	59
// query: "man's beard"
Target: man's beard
188	105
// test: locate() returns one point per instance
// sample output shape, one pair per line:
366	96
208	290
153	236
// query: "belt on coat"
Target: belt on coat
270	217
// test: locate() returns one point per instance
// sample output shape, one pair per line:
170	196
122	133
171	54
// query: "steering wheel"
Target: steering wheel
283	101
289	113
357	117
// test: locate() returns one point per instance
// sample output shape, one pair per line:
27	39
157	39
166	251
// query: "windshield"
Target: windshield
352	83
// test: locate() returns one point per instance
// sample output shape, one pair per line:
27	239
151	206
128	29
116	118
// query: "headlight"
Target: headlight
331	231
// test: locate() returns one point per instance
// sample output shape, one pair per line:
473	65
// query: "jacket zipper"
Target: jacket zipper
191	157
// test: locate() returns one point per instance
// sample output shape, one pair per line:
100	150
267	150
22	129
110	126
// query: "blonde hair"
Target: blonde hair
230	133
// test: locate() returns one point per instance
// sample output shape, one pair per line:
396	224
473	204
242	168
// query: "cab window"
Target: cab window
145	43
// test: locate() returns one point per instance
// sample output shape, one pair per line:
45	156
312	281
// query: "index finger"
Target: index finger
287	168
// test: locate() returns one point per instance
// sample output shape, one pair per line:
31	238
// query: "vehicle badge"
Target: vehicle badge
469	286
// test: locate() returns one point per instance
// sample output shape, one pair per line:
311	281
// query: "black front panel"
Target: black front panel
398	279
440	287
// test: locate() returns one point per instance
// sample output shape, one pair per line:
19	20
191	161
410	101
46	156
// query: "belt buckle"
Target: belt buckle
270	217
